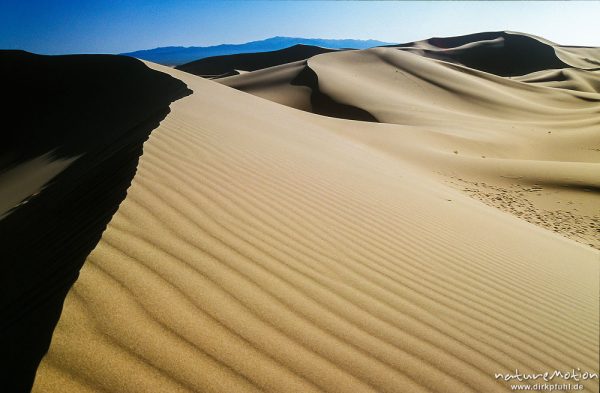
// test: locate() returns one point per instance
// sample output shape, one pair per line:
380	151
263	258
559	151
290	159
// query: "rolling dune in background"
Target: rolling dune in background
527	144
265	248
227	65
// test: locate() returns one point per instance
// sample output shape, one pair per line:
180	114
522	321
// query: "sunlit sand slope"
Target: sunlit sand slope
527	144
262	248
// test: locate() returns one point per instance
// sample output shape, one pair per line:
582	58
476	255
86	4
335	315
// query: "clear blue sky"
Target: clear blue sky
113	26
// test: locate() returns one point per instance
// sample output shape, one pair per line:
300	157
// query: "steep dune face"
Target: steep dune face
77	128
296	85
276	84
262	248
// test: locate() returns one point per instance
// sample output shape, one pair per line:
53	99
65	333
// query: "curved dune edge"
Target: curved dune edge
266	251
505	53
227	65
65	166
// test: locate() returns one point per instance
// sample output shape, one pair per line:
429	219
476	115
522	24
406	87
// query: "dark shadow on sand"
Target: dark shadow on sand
103	108
324	105
513	55
221	66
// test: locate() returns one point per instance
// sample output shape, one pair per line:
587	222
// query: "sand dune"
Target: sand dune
227	65
262	248
505	53
77	124
275	84
528	144
569	79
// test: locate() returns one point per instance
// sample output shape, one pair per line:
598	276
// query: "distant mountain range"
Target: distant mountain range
177	55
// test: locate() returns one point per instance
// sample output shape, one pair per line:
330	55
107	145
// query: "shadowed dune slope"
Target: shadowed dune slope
78	124
322	104
275	84
505	53
219	66
281	251
296	85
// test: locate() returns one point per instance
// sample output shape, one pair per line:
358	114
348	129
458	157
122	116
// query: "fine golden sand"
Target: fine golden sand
263	248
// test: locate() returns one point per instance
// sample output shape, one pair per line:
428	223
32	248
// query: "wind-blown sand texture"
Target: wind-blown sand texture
263	248
527	144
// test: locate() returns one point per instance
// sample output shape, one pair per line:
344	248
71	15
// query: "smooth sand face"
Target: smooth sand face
261	248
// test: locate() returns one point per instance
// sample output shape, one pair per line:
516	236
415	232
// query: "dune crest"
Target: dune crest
77	128
227	65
